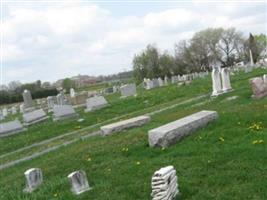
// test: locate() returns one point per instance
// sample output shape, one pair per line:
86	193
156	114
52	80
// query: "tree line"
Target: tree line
206	47
15	89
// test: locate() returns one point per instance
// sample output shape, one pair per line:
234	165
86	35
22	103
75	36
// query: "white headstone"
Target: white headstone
216	81
166	80
21	108
14	110
128	90
34	179
265	78
96	102
160	81
72	92
78	181
5	112
63	112
60	99
164	184
27	98
251	58
226	84
50	102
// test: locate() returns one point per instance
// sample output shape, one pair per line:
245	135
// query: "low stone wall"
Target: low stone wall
171	133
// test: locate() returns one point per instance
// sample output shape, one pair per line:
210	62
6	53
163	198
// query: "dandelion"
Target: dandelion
162	148
261	141
55	195
221	139
138	163
89	159
255	142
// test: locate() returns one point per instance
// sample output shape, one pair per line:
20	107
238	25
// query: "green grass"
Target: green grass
207	167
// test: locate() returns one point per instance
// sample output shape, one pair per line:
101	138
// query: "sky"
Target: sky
50	40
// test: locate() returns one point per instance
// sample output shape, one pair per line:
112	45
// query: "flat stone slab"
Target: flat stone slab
10	128
95	103
173	132
34	117
118	126
63	112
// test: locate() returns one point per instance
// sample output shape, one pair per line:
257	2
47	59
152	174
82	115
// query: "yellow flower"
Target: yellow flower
255	142
162	148
138	163
89	159
55	195
221	139
261	141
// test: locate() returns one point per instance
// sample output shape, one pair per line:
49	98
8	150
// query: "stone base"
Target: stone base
35	121
65	117
173	132
96	108
119	126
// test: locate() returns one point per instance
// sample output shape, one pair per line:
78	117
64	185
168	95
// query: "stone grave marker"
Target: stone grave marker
63	112
95	103
34	117
128	90
10	128
79	182
164	184
34	179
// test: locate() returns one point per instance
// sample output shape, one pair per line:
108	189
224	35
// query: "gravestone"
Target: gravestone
50	103
155	82
27	98
259	88
164	184
21	108
72	92
34	117
10	128
60	99
166	80
34	179
14	110
121	125
128	90
170	133
160	81
251	58
95	103
216	81
5	112
79	182
148	84
79	99
63	112
265	78
226	84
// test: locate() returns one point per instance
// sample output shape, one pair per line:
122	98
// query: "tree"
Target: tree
228	45
166	64
13	85
68	83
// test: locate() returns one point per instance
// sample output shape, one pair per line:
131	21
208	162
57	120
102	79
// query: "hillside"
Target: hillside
221	161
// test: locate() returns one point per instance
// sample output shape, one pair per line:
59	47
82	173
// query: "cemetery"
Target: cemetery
133	100
98	167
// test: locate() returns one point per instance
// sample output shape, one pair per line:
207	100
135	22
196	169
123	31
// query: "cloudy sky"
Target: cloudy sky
53	40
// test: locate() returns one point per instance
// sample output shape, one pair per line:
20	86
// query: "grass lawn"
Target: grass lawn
220	161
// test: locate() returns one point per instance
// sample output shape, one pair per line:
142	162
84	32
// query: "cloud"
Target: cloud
49	42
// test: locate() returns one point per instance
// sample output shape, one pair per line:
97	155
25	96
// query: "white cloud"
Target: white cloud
52	42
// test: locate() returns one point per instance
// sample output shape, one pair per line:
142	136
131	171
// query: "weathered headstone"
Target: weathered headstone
10	128
259	88
226	84
34	179
251	58
27	98
121	125
265	78
128	90
50	103
5	112
63	112
60	99
14	110
164	184
166	80
79	182
72	92
216	81
34	117
95	103
21	108
160	81
173	132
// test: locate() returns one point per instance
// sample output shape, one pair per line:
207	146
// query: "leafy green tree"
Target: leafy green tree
68	83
